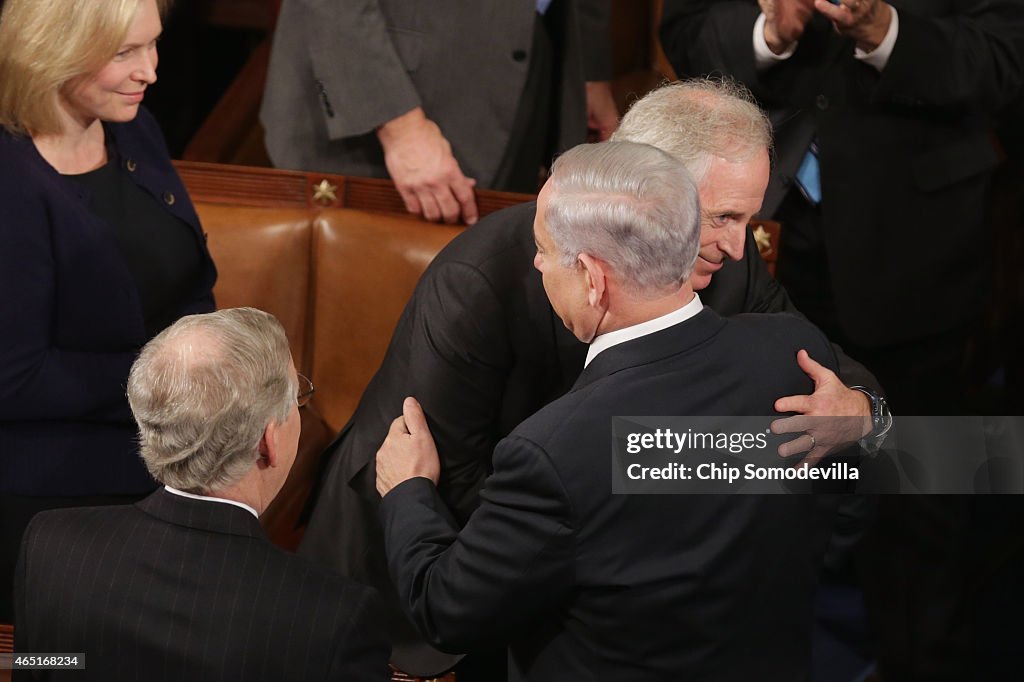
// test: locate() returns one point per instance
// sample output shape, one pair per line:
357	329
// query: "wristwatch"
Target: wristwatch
881	420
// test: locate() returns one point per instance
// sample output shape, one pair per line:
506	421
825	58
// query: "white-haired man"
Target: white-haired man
582	583
185	584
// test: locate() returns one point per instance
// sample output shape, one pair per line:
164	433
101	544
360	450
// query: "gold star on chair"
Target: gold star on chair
761	238
325	193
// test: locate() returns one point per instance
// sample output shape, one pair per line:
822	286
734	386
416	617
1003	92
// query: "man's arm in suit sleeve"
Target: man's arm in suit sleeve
358	67
970	60
459	361
766	295
357	63
513	561
709	36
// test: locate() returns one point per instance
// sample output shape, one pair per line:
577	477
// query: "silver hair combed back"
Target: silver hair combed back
204	390
631	205
697	119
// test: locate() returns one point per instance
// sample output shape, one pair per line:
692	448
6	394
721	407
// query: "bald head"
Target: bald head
697	120
204	390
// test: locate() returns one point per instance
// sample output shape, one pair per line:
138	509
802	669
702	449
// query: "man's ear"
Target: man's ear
268	446
596	273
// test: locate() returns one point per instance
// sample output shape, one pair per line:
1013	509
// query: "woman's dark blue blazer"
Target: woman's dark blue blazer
71	321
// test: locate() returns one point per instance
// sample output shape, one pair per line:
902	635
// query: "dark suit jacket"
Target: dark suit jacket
482	350
70	319
174	588
583	584
905	154
338	70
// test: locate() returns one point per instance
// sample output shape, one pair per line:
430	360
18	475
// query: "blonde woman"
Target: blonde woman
100	249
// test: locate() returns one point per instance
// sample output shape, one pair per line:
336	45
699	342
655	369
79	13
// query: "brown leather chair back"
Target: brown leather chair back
367	265
263	258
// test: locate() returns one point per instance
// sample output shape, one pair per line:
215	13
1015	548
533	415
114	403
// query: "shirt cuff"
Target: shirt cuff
879	56
763	55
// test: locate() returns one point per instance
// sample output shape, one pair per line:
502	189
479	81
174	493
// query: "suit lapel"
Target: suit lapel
793	130
201	515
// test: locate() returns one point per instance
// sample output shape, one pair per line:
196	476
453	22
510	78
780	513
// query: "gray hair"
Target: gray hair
629	204
697	119
204	390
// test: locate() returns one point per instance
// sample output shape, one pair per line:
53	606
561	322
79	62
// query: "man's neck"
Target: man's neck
249	491
672	315
214	498
629	311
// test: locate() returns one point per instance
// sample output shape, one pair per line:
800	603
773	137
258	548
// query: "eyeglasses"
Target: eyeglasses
305	392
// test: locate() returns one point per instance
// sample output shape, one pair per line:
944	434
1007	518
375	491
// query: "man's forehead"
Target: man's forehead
734	187
725	198
538	217
539	229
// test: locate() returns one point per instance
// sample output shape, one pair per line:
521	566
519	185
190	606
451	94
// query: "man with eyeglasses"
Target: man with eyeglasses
186	580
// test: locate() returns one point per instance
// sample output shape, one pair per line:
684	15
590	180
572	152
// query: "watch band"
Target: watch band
881	419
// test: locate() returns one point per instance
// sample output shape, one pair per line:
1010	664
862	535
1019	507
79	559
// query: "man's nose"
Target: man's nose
732	241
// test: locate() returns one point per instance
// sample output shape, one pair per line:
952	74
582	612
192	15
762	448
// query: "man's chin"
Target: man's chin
700	280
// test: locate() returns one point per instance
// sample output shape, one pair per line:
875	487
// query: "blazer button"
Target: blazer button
519	55
169	198
822	102
130	165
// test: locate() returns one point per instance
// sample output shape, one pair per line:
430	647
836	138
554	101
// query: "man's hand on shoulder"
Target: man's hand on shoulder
408	451
830	418
420	161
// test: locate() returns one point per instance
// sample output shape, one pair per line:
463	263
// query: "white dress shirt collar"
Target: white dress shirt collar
606	341
182	493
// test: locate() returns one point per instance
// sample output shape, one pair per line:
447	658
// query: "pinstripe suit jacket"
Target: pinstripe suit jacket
173	588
